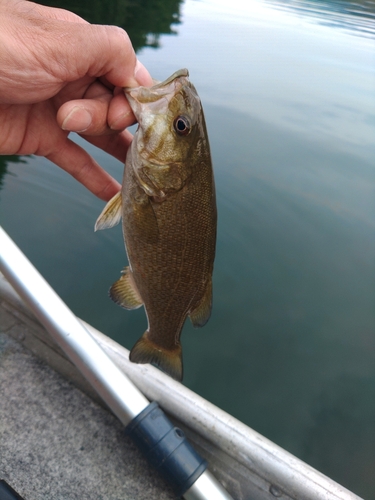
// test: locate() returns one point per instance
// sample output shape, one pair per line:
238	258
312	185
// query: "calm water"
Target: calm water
289	94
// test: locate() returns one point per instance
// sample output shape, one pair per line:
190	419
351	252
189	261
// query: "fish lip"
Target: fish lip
141	96
184	72
177	74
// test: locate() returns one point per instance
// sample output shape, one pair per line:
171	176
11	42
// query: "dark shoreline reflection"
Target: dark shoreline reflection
4	160
143	20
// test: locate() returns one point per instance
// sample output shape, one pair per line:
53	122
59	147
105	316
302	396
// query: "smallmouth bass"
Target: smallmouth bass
168	209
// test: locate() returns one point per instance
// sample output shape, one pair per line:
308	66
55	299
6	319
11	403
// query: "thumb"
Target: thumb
96	51
41	50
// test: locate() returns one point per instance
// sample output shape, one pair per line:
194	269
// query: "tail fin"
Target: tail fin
168	360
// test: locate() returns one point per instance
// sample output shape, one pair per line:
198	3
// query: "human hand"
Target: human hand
60	74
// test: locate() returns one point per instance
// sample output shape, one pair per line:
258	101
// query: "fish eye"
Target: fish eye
181	125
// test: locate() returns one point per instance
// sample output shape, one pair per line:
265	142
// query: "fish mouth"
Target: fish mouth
157	96
177	74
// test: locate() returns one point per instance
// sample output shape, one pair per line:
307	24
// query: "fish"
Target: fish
168	208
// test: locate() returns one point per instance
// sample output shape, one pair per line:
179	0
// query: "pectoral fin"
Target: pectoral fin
201	314
124	291
111	214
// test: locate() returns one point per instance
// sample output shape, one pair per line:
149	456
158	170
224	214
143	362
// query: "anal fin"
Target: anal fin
201	314
111	214
124	291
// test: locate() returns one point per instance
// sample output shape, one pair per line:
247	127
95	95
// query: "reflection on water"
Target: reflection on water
355	16
4	161
144	20
290	111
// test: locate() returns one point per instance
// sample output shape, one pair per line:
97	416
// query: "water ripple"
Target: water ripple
355	17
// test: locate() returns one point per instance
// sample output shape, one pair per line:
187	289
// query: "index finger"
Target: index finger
82	166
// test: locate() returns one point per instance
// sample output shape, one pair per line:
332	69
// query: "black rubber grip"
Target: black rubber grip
166	448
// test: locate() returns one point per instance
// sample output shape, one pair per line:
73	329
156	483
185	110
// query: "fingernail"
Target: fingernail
78	120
